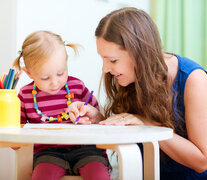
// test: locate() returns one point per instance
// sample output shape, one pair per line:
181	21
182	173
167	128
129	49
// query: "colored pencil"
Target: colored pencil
15	83
10	81
9	78
4	76
89	97
5	81
1	85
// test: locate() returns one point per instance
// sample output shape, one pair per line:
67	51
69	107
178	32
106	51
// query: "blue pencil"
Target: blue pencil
89	97
11	81
9	78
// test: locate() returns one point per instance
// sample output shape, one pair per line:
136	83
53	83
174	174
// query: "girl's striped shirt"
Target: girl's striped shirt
52	105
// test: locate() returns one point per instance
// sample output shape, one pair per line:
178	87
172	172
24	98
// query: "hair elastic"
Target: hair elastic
65	43
20	53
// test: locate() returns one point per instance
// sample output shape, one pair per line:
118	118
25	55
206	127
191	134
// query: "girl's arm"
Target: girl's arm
88	114
193	152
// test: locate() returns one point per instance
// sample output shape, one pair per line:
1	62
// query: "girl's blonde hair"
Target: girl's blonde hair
38	46
149	96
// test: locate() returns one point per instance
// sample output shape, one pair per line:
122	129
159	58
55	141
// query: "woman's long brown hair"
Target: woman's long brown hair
149	96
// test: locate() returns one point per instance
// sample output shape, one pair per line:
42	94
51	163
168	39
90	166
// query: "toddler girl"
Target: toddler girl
47	99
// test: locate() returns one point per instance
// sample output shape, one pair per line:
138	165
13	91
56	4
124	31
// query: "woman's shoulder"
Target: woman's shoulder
187	65
196	77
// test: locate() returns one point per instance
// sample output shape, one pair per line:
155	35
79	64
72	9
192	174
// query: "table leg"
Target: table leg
151	161
129	159
24	163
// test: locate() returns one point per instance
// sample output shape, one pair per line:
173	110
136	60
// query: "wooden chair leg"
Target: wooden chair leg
7	156
127	155
24	163
151	161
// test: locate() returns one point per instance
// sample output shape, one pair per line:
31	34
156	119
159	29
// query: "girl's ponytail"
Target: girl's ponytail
73	46
16	63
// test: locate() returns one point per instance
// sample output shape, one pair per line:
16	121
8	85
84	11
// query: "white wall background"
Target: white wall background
74	20
7	33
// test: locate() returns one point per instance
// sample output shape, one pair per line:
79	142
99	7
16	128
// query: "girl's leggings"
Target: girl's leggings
92	171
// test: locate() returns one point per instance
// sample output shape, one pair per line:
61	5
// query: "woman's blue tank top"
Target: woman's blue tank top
171	170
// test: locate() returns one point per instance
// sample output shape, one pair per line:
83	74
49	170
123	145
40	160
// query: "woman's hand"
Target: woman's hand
122	119
88	114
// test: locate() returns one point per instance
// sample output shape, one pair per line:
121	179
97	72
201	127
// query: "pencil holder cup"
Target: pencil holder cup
9	108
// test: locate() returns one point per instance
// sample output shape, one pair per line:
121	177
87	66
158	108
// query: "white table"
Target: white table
121	139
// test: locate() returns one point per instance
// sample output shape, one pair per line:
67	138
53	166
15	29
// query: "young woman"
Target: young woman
145	85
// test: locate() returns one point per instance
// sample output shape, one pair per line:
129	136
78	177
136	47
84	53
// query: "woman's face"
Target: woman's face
116	61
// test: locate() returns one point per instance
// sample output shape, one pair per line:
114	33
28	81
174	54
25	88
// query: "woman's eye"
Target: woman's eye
113	61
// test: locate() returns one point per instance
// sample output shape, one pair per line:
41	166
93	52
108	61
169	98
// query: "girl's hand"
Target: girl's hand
88	114
122	119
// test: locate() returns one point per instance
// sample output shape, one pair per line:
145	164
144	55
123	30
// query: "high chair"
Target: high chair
24	162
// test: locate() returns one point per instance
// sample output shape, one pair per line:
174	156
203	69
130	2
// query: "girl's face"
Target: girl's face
116	61
53	74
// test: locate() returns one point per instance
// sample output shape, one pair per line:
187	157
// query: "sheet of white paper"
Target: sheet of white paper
58	125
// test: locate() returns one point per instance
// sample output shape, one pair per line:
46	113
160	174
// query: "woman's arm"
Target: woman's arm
190	152
193	152
123	119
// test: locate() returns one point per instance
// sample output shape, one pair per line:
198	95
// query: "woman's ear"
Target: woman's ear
27	72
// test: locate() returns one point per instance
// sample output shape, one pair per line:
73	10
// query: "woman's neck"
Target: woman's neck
172	64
